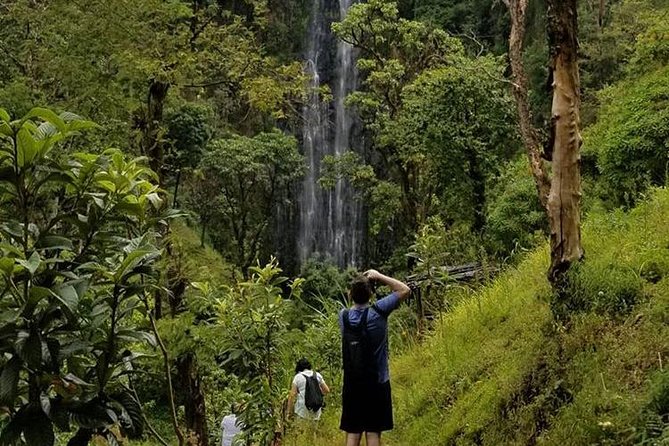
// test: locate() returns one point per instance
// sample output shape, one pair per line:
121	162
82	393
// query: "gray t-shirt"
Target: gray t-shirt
377	328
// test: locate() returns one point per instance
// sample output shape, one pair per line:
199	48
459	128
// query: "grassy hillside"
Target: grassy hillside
498	370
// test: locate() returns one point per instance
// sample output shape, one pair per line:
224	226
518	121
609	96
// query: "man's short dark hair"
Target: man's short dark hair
302	365
361	290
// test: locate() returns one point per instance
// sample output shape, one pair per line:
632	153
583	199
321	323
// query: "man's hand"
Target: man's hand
402	290
373	274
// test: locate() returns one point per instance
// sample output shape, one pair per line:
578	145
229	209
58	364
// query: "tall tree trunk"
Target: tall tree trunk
193	397
152	146
565	193
529	134
175	202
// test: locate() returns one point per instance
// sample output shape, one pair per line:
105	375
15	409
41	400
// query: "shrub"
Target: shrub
631	138
515	217
323	279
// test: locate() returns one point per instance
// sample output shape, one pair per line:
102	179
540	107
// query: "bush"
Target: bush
189	130
323	279
515	217
630	141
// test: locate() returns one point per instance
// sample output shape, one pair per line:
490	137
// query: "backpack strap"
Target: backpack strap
347	322
383	314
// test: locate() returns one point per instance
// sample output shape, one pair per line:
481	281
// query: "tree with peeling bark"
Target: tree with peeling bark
565	142
529	134
560	193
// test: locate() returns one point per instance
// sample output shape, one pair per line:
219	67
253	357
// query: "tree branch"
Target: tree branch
168	374
529	134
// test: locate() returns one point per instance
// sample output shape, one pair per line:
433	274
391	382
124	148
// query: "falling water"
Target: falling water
330	221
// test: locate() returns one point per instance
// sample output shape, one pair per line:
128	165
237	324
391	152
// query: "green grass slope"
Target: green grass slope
499	371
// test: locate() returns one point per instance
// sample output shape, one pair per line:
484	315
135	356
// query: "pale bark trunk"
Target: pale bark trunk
565	193
561	194
529	134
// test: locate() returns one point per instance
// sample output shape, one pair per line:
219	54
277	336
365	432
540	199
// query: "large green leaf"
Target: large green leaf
127	334
47	115
46	130
26	147
32	263
133	259
134	424
54	242
74	346
6	130
7	174
81	125
12	228
9	381
4	116
70	117
11	432
67	295
92	415
38	430
7	266
30	348
36	294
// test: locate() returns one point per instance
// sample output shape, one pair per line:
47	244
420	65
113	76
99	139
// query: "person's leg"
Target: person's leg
373	438
353	439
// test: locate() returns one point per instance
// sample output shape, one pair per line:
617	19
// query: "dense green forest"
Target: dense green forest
153	169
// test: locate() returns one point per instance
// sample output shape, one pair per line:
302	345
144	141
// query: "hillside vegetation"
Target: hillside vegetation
499	370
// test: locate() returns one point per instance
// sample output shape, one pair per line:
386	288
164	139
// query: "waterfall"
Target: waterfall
330	221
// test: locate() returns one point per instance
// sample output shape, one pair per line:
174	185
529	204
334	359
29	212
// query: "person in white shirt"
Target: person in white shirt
297	392
231	429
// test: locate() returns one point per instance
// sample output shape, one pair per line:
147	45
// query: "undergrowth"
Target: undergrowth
497	369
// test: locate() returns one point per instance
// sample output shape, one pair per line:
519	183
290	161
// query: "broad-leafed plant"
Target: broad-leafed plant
77	254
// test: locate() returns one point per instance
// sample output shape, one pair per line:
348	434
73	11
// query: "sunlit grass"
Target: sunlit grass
498	370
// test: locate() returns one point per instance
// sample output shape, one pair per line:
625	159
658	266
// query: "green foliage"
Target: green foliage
323	280
77	257
651	49
253	312
482	23
393	52
498	370
189	130
240	182
515	220
441	123
630	141
102	57
457	124
439	245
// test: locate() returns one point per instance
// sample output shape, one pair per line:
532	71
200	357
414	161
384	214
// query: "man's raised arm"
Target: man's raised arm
400	288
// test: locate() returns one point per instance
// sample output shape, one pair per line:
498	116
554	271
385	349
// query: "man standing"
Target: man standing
366	398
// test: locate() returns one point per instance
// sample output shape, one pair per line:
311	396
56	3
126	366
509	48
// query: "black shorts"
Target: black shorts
366	408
